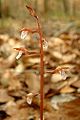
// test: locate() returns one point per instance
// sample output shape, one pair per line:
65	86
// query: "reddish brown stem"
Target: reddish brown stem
33	13
41	72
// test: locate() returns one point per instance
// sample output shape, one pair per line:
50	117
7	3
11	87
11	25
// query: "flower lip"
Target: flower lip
24	34
19	55
30	97
45	44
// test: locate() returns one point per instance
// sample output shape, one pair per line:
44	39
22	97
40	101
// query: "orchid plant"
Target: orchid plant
43	45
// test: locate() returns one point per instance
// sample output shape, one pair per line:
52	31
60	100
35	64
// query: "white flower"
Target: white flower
24	34
29	98
63	74
45	45
19	54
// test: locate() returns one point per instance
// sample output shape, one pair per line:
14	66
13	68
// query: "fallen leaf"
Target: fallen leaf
67	89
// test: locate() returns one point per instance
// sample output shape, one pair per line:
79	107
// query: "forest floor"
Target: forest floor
20	77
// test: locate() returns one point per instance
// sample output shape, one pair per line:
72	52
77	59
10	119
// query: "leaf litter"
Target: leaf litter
19	79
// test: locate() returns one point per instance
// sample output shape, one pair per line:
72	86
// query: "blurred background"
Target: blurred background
68	8
49	10
60	24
